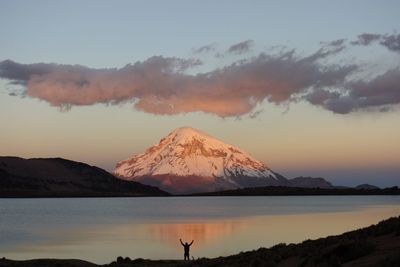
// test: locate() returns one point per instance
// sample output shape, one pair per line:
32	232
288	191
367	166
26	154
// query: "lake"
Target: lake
100	229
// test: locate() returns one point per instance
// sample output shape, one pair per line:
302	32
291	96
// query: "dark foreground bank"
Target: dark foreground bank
376	245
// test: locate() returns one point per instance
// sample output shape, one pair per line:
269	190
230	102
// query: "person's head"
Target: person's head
186	243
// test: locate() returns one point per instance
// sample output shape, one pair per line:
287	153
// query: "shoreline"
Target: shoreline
375	245
253	191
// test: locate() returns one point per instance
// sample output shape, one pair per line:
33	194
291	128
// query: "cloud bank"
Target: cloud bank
390	41
162	85
381	92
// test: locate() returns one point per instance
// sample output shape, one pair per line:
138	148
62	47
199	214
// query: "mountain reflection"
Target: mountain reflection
202	233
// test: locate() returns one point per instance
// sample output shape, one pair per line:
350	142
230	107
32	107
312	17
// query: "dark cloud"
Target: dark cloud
366	39
219	55
255	114
21	73
339	42
382	90
241	47
379	93
327	51
390	41
205	49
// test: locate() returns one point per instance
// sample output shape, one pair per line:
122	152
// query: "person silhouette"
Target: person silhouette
186	248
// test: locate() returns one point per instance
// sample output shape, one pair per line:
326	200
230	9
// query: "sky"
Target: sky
310	88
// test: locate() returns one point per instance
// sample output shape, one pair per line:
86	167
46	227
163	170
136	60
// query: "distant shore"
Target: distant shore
254	191
62	178
376	245
300	191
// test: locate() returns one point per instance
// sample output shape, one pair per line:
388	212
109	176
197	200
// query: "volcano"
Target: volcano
189	160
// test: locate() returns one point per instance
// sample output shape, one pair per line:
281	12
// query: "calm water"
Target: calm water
100	229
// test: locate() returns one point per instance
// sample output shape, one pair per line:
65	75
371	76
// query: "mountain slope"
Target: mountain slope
59	177
189	160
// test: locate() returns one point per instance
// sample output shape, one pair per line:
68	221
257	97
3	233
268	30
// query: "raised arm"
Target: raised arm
191	243
181	241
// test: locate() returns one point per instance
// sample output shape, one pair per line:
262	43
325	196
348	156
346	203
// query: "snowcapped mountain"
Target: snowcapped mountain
189	160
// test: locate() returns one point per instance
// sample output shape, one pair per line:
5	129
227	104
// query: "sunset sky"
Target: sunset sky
311	88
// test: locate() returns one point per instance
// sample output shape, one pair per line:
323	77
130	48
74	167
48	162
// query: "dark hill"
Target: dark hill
310	182
57	177
366	186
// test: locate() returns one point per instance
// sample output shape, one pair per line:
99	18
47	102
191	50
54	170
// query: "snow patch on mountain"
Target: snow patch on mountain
191	152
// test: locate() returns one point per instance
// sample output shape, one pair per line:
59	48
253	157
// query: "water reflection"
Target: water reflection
204	234
215	238
101	241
